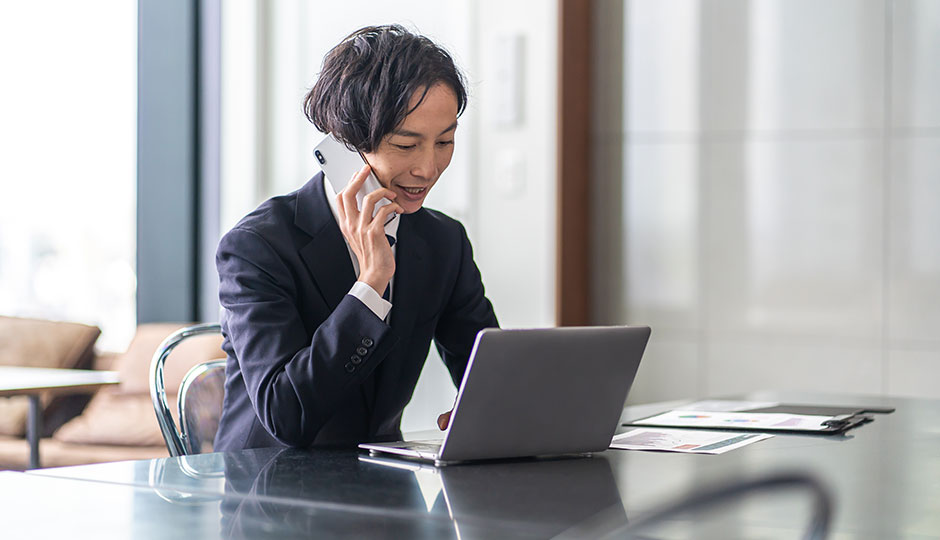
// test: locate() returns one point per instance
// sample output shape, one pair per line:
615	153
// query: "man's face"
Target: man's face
412	157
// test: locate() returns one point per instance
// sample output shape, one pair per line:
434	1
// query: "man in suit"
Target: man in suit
328	312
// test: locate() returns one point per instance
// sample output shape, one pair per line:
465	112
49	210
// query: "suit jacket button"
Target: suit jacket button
350	368
355	359
362	351
367	342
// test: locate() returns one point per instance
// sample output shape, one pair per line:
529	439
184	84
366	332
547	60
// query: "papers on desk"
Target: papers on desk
732	420
684	440
727	405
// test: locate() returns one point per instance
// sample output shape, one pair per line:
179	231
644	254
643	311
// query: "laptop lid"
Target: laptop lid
543	391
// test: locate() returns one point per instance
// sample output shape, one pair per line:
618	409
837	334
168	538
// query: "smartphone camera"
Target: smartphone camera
319	157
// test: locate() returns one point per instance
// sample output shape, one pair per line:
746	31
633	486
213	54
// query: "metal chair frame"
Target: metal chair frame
186	426
177	441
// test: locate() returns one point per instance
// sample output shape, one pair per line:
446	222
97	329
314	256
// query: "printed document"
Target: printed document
684	440
723	405
731	420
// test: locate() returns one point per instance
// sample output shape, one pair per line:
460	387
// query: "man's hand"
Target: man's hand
365	234
444	420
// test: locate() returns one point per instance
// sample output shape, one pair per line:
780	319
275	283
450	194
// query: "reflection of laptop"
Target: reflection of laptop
534	393
558	498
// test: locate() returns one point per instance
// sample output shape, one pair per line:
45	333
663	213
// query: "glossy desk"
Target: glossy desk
885	478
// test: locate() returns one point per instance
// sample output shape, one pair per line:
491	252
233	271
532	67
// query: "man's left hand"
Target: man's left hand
444	420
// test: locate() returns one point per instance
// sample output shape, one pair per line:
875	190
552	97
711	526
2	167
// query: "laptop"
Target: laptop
535	392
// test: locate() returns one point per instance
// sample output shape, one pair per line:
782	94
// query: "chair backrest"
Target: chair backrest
199	399
200	406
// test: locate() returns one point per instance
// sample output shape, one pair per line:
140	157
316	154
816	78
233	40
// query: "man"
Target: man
329	312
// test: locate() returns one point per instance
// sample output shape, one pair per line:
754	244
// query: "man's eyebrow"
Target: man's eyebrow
450	128
406	133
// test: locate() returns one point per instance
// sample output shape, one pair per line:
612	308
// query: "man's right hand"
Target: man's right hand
366	234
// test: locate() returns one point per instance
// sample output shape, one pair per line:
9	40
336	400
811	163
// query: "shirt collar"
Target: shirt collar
391	228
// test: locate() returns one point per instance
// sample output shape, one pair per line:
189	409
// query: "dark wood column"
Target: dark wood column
573	249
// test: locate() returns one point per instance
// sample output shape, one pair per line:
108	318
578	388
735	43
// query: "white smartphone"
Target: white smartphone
340	164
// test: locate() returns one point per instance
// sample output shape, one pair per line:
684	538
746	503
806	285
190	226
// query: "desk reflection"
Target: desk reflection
285	495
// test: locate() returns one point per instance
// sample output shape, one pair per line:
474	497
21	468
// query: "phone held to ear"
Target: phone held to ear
340	164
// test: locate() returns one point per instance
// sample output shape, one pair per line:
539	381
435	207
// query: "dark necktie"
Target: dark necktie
387	294
372	382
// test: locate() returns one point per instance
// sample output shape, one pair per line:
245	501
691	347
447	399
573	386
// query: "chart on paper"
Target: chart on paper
684	440
730	420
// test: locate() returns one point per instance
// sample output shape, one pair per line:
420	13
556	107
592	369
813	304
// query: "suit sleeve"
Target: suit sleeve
467	311
294	382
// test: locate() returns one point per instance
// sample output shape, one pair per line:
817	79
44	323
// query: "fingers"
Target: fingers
370	200
382	217
349	194
443	420
359	178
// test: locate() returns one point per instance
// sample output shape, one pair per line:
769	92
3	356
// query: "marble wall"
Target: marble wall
767	193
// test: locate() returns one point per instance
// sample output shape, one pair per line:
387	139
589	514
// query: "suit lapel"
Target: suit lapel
325	255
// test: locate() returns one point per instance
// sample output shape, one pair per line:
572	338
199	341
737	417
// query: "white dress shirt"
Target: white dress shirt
366	294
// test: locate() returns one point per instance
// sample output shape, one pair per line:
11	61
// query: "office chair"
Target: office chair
715	496
199	400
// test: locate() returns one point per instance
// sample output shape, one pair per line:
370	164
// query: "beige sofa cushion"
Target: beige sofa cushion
124	415
113	418
40	343
134	365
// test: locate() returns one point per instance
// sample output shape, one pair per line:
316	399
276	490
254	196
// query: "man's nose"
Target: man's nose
425	165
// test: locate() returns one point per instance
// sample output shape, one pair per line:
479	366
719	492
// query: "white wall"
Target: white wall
776	173
501	182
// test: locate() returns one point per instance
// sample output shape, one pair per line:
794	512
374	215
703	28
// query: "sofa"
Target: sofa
115	423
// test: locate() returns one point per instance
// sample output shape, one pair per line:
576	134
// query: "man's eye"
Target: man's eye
445	143
404	146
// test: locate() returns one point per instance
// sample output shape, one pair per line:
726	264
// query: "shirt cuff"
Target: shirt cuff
371	299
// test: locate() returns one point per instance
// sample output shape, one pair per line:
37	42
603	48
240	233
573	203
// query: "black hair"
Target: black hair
368	80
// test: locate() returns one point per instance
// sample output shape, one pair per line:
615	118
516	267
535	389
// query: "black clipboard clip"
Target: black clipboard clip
846	421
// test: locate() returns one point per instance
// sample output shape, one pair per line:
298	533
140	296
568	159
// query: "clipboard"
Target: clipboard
821	410
842	418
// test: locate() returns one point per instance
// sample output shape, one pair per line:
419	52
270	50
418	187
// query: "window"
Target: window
68	170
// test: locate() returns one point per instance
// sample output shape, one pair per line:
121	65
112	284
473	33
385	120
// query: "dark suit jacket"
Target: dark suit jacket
309	364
